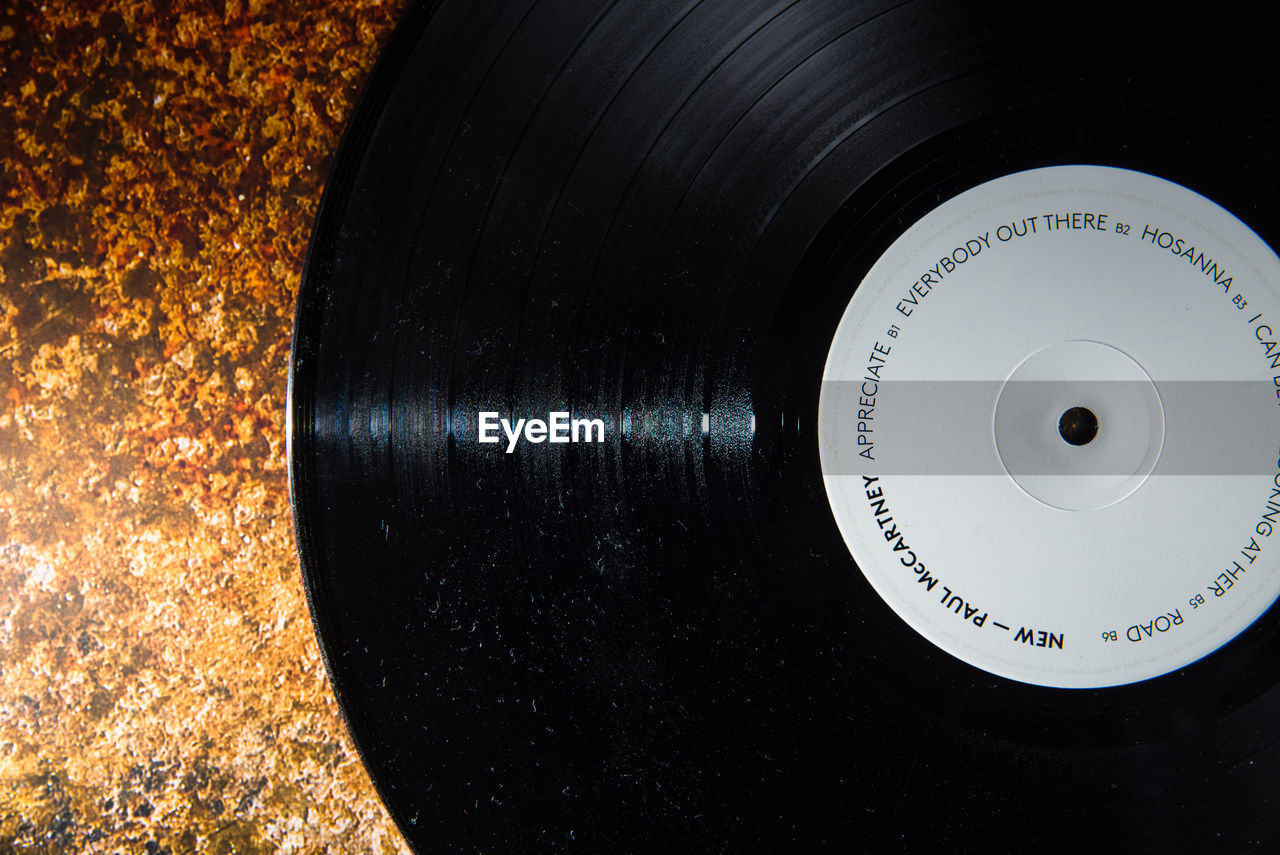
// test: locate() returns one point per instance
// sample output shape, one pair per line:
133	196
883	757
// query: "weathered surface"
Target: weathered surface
160	685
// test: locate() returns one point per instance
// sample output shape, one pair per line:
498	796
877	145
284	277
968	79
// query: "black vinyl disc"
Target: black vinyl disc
654	214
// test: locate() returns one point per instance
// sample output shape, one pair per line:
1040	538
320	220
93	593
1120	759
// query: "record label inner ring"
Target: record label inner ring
1049	428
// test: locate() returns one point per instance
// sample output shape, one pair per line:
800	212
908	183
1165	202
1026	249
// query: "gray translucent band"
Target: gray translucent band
946	427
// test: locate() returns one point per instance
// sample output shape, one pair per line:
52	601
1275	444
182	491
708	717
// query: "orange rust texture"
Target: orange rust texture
160	685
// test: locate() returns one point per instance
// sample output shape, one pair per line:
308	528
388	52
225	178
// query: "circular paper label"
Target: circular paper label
1050	426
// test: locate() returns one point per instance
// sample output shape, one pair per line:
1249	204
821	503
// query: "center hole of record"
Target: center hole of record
1078	426
1067	386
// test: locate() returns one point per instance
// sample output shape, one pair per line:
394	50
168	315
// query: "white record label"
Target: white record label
1050	426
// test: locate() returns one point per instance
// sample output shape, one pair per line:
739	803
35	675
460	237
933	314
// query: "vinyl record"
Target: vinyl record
802	426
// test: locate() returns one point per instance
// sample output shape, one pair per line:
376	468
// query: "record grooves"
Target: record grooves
654	216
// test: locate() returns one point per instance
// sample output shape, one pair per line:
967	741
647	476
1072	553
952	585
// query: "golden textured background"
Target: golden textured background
160	686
